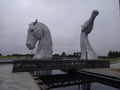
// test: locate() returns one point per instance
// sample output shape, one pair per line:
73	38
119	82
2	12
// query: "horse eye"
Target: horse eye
32	30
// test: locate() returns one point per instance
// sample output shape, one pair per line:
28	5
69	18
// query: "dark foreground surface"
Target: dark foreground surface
12	83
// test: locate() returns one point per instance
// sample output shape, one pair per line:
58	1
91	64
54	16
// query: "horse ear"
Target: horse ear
35	22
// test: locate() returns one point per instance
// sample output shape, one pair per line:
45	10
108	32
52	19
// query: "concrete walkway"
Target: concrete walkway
15	81
115	65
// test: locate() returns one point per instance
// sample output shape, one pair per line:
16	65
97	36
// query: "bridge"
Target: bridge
35	65
86	71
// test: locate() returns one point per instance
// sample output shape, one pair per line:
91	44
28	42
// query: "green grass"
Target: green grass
114	60
15	57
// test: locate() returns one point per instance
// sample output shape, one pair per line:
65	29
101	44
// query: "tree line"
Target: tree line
64	55
113	54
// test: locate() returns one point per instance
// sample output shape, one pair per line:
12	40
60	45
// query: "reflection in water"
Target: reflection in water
95	86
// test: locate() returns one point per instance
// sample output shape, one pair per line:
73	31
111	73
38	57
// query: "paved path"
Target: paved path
115	65
104	71
15	81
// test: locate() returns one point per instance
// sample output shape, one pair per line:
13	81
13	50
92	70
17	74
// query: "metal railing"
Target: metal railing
35	65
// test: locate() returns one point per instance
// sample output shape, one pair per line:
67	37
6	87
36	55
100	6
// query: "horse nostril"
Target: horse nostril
28	44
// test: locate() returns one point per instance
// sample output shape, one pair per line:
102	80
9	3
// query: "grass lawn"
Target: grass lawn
5	57
114	60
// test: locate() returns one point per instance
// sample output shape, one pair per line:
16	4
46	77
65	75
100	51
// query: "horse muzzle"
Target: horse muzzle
30	47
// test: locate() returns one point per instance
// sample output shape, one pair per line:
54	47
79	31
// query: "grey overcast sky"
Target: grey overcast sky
64	19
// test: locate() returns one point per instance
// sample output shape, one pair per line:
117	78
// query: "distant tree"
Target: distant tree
113	54
118	54
63	54
56	56
22	55
110	54
0	54
70	56
74	54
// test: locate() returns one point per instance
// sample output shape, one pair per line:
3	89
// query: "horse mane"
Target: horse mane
35	22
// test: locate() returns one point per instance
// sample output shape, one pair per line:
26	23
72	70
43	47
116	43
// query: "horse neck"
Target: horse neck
86	47
84	34
44	46
85	41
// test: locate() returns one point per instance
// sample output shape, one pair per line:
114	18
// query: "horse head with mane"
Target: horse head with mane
87	51
39	32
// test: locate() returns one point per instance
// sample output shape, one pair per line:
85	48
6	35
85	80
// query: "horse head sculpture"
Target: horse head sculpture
39	32
88	25
87	51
